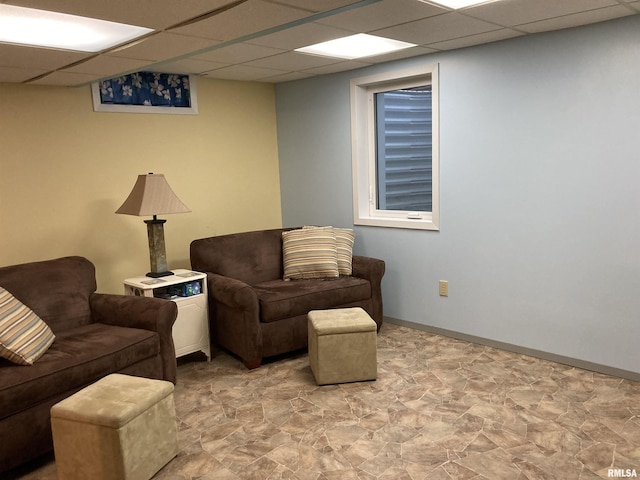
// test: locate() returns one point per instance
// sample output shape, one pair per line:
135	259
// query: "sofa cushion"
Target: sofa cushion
281	299
251	257
24	337
57	290
79	356
309	253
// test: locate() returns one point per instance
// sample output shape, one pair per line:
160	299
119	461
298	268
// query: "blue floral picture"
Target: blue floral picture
134	92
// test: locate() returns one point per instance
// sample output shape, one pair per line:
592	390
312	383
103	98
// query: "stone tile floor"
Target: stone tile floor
440	409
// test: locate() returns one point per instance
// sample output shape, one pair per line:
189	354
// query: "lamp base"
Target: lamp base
159	274
157	253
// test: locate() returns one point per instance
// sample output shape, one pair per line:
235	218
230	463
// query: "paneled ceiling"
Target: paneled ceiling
254	40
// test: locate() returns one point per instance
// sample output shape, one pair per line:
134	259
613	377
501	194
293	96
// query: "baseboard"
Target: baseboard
552	357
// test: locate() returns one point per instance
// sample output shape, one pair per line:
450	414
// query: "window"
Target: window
394	122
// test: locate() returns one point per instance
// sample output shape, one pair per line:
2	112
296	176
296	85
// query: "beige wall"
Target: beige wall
65	169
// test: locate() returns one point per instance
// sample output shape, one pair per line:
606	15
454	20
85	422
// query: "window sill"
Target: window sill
413	224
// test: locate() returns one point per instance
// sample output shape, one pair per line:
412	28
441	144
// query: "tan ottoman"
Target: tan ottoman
342	345
119	428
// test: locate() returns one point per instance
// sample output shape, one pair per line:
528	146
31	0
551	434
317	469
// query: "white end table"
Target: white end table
188	289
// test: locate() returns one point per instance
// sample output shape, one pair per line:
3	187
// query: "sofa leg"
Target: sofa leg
252	364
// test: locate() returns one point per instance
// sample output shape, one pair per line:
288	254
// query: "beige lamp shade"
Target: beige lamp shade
152	195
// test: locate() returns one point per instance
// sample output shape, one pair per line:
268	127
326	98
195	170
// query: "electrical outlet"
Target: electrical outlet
443	288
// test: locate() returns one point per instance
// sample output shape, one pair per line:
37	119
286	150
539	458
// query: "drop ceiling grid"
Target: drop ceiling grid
245	19
247	43
386	13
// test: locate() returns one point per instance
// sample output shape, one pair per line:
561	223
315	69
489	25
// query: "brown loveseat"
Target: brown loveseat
254	313
96	334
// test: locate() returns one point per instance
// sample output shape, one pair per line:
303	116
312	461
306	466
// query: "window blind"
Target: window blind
404	149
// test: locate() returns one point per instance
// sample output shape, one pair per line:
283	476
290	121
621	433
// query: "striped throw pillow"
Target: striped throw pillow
344	248
309	253
24	337
344	245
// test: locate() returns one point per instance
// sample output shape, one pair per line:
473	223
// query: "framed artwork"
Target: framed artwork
146	92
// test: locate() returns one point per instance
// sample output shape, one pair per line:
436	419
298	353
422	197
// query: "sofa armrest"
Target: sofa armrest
145	313
371	269
234	317
231	292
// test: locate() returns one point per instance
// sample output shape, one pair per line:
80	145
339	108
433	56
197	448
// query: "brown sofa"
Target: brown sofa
254	313
96	334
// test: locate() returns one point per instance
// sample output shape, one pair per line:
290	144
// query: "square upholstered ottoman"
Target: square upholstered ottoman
119	428
342	345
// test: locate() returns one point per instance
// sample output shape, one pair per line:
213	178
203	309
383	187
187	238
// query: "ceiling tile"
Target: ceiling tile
480	38
18	75
404	53
41	58
186	65
292	61
286	77
381	15
577	19
517	12
163	46
66	79
242	72
245	19
316	6
239	53
107	66
437	29
337	67
156	14
300	36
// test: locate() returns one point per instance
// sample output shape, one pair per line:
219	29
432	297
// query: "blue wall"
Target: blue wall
540	191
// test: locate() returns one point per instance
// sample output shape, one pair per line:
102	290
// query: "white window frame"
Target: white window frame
363	149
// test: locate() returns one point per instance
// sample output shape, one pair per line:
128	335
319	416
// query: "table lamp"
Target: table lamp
152	195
